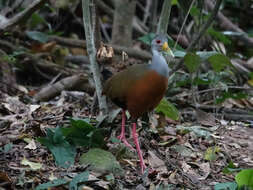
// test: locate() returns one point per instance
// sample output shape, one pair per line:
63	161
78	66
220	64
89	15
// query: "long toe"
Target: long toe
123	139
128	145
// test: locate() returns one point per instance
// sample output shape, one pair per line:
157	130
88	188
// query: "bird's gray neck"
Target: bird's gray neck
159	64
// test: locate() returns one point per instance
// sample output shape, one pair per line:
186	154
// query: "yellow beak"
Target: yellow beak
166	48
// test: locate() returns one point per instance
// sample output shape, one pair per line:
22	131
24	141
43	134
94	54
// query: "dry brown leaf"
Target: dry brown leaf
204	118
156	163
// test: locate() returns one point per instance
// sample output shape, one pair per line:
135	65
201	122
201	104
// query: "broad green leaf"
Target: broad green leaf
33	165
167	109
225	186
171	44
232	33
37	36
219	62
202	54
36	19
205	54
210	153
192	62
63	152
194	11
251	75
230	168
82	177
182	150
81	133
53	183
245	178
219	36
101	161
226	95
147	39
179	53
197	130
174	2
201	81
6	148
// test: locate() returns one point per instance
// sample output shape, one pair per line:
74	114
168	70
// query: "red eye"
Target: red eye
158	41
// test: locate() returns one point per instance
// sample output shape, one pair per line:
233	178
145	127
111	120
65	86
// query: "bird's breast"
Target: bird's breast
146	93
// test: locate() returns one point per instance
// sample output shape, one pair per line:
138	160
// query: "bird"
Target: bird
139	89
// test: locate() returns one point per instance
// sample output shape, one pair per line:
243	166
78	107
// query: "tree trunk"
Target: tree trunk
123	22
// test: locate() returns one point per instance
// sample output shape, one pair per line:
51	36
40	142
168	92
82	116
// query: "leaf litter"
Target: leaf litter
178	155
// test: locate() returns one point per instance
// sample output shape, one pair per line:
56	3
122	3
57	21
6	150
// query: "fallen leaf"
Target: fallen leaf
33	165
204	118
156	163
31	145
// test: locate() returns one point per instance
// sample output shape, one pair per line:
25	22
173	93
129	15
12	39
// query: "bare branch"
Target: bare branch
22	16
89	34
228	25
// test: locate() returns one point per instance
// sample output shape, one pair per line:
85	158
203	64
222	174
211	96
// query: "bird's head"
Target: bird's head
160	44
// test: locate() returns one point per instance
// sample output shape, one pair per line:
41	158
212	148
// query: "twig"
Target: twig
164	18
228	25
181	29
201	33
229	87
55	89
146	11
89	34
141	54
24	15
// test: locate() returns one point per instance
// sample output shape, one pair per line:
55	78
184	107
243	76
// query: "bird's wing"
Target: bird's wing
117	87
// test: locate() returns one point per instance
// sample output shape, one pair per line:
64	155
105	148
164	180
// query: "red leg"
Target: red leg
122	136
135	137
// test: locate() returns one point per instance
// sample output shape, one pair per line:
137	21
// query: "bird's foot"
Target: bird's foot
123	139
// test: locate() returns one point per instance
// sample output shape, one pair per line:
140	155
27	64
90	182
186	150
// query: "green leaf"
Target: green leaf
201	81
219	62
226	95
82	177
101	161
179	53
147	39
174	2
232	33
230	168
251	75
63	152
7	147
36	19
205	54
167	109
37	36
245	178
210	153
53	183
219	36
81	133
225	186
194	11
192	62
197	130
202	54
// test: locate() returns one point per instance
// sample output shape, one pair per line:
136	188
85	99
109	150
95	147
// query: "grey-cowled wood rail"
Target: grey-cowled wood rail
140	88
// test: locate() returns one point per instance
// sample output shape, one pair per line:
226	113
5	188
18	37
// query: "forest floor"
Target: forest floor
184	155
